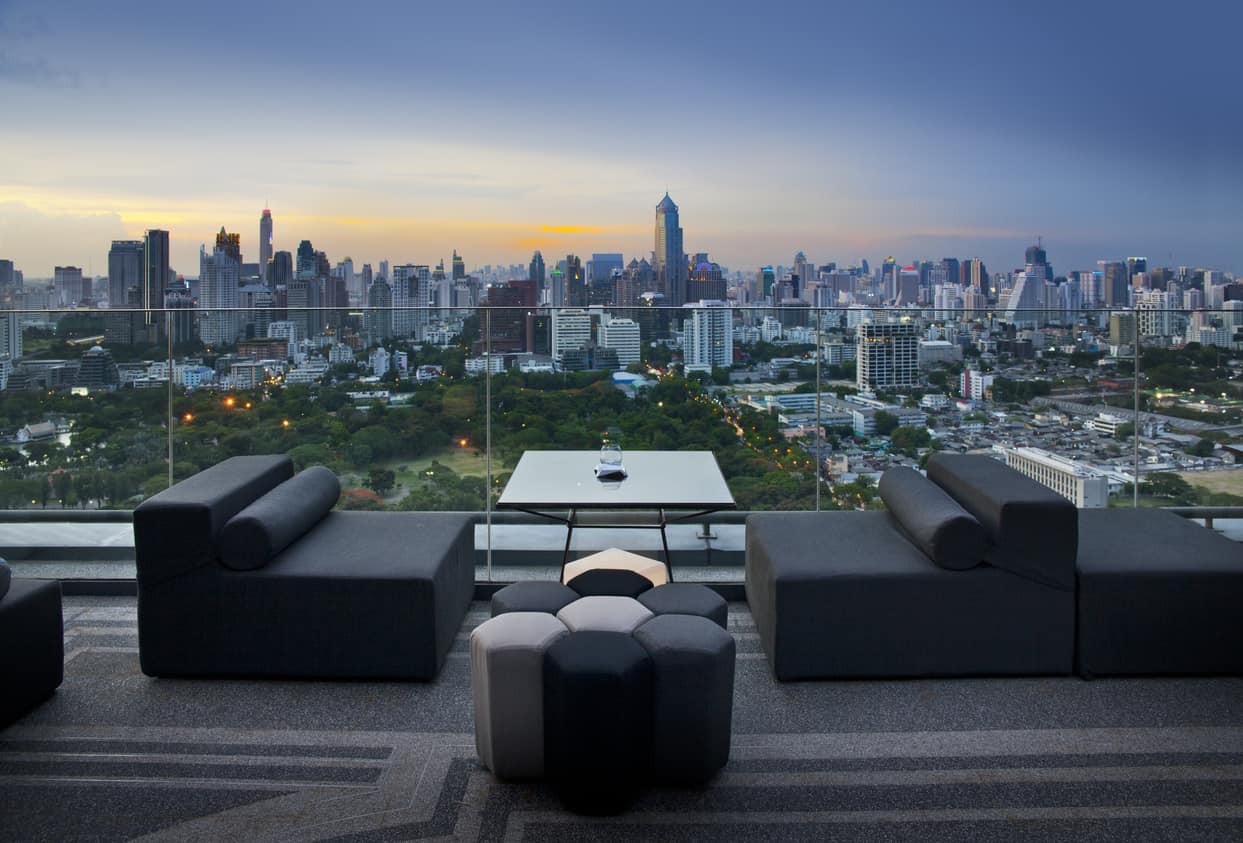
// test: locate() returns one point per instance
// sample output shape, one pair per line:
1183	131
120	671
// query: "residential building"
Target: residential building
1081	485
708	336
571	329
622	335
887	355
219	277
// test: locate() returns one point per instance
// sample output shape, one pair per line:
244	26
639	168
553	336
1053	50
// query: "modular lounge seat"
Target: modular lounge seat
245	570
32	643
1158	594
968	572
599	693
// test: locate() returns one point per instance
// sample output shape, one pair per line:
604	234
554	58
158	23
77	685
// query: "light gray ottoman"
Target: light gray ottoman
604	614
507	683
693	690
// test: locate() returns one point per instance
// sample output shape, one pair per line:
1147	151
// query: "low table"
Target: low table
657	481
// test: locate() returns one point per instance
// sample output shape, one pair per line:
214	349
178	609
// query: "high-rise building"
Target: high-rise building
622	335
219	280
765	279
670	264
705	281
1116	282
7	278
571	330
459	266
708	336
230	243
536	271
265	242
303	300
156	270
280	271
378	318
575	286
124	270
307	265
67	283
406	297
10	336
602	265
886	354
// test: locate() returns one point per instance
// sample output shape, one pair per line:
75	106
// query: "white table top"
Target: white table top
655	480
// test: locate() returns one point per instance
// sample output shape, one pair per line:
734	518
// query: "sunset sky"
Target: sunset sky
404	130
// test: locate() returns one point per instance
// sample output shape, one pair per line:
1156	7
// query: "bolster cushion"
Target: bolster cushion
932	520
254	536
1032	530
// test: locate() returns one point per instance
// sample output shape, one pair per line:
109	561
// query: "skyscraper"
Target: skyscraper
307	262
124	270
219	278
670	261
265	242
709	338
459	266
536	271
155	276
230	243
68	285
280	271
7	277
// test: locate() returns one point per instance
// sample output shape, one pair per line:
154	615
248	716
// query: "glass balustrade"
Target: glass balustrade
432	408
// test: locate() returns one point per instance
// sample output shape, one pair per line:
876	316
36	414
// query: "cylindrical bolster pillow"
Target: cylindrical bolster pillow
933	521
254	536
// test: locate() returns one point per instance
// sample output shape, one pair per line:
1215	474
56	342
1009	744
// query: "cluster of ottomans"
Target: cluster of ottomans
601	685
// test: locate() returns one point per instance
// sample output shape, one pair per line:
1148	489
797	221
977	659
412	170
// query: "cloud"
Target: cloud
35	74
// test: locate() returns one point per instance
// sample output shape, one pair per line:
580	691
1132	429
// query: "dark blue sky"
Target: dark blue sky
404	130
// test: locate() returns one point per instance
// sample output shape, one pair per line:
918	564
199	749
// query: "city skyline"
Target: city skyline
954	130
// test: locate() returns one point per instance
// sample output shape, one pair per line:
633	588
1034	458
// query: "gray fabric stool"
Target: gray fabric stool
507	684
604	614
693	689
534	596
684	598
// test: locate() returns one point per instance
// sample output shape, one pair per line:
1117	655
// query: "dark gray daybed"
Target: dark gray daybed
969	572
32	643
245	570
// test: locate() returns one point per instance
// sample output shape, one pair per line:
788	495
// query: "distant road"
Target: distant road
1094	409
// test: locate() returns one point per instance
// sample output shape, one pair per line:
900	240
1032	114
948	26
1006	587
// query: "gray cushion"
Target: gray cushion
176	531
6	574
685	598
1158	594
604	614
253	537
933	521
610	582
533	596
1033	531
507	687
693	684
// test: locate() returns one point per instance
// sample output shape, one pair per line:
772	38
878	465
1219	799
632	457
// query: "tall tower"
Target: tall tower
124	270
155	276
670	264
230	243
535	271
459	266
265	242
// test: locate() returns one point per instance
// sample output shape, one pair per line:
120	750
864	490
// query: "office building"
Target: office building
601	267
622	335
571	330
459	266
886	354
219	280
124	270
280	270
536	273
708	336
231	244
156	270
67	283
265	242
8	279
10	336
670	265
378	317
1116	284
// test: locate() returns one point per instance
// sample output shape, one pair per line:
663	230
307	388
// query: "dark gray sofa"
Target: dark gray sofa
244	571
32	643
857	594
1158	594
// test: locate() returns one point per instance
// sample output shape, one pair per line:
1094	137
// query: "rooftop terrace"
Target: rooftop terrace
115	754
